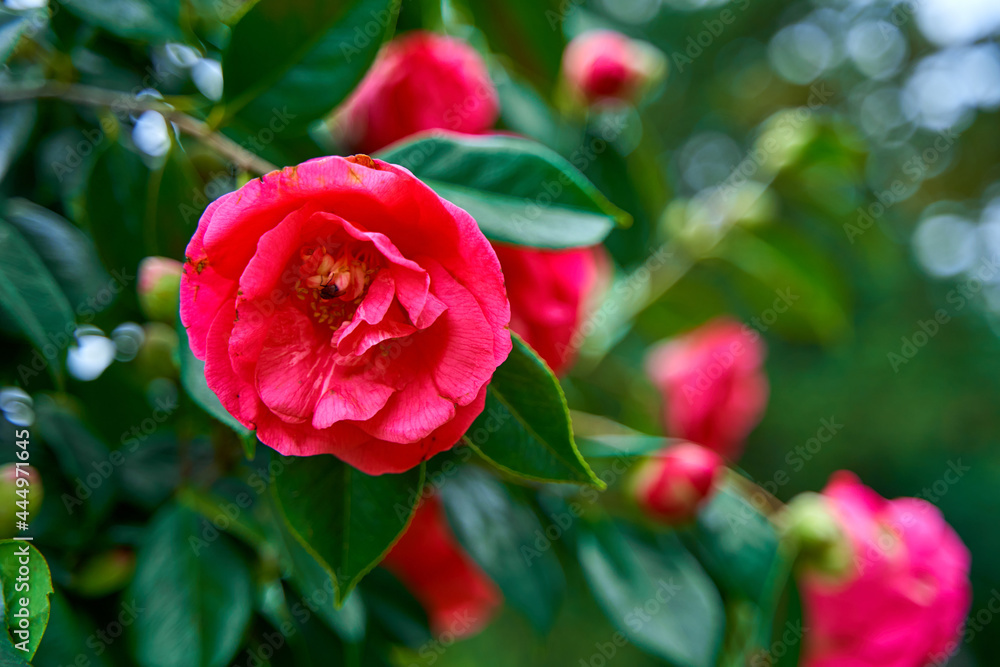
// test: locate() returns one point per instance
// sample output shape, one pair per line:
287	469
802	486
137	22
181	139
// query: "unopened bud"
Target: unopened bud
105	573
159	288
812	528
672	486
20	498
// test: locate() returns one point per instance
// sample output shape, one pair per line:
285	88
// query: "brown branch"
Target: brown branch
126	102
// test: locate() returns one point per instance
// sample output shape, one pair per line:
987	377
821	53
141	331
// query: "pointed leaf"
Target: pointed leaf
345	519
517	190
525	428
14	556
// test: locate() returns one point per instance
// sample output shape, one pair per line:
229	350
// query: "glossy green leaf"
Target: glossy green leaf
67	252
655	593
35	588
345	519
149	20
316	54
31	299
525	429
517	190
736	544
192	595
115	208
17	120
193	381
315	584
501	534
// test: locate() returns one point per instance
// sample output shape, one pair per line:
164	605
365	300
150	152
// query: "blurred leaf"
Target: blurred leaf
736	544
316	53
15	554
523	110
194	383
31	298
517	190
115	206
345	519
150	20
14	25
611	446
68	253
196	595
660	598
67	634
12	657
83	458
500	534
17	120
314	582
529	31
797	277
524	429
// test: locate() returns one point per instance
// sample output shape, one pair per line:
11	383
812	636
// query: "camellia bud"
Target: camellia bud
156	356
671	486
24	487
159	288
105	573
812	527
607	65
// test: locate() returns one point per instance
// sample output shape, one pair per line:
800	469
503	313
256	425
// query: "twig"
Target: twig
116	100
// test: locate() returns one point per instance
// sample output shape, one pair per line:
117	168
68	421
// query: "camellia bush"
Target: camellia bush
411	333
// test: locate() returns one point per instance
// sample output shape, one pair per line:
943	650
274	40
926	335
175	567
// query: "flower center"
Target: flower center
333	284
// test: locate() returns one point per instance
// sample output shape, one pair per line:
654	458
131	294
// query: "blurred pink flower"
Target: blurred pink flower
713	384
604	64
671	485
904	600
420	81
550	294
456	594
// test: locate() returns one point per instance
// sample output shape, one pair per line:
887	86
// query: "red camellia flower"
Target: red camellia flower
671	485
458	597
418	82
550	293
903	602
343	308
604	64
713	384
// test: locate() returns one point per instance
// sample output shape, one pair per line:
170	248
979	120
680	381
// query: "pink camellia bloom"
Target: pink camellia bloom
456	594
604	64
903	601
672	485
550	294
343	308
421	81
713	384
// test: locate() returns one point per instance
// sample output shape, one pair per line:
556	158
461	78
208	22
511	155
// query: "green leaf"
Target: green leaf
736	544
17	120
525	429
316	53
518	191
149	20
114	203
657	595
193	598
15	557
345	519
31	298
194	383
14	25
67	632
68	253
500	533
312	581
